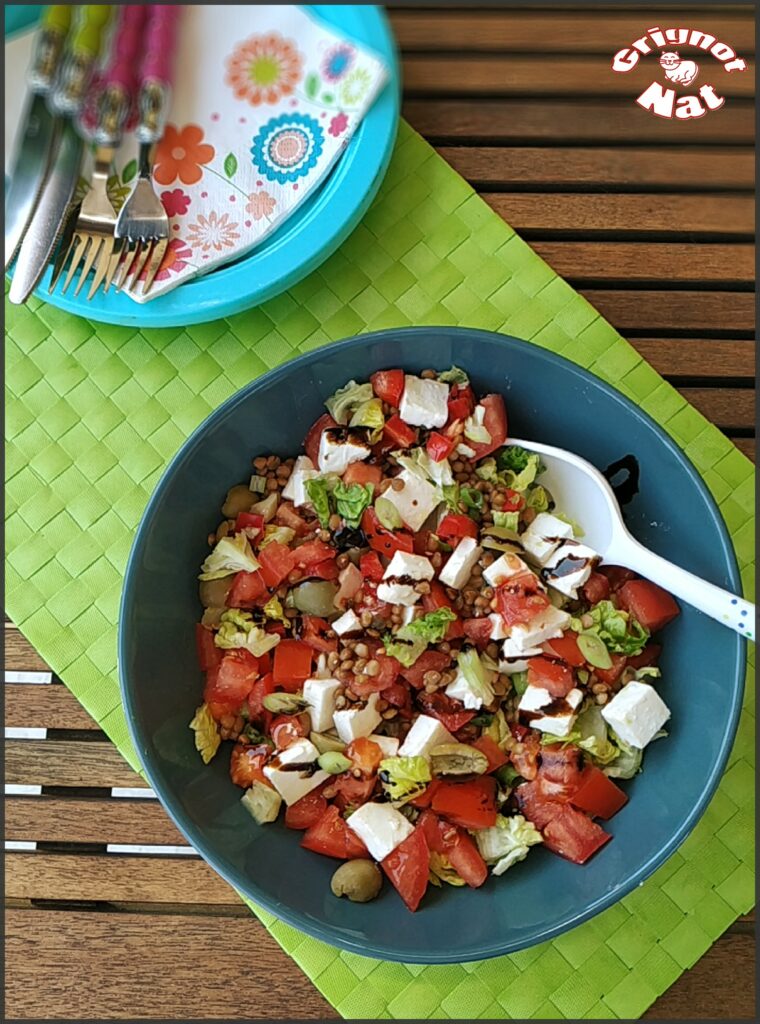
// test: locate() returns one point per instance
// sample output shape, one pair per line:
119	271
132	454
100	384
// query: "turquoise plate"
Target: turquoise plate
548	399
304	241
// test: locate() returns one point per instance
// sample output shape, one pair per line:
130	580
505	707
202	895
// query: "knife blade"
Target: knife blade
38	135
50	215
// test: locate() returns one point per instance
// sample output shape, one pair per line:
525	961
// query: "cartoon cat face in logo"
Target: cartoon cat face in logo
670	61
676	70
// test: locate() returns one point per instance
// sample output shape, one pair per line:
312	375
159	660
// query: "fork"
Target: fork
92	240
143	224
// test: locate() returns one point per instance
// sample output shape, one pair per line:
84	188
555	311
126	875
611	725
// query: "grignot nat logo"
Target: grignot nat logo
661	98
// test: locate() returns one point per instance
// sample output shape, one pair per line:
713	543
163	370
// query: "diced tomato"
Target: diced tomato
478	630
277	561
327	570
616	575
313	551
524	754
247	764
331	836
313	437
389	669
259	690
551	675
314	629
469	804
461	402
363	473
209	655
247	590
249	521
400	433
351	792
598	795
292	664
452	527
496	756
388	385
649	656
495	422
425	799
228	686
286	515
566	648
439	447
612	674
371	567
596	588
536	807
559	774
307	811
649	604
274	627
399	696
453	842
429	661
573	835
286	729
365	754
449	712
370	602
438	598
519	599
386	542
422	542
408	868
513	500
350	581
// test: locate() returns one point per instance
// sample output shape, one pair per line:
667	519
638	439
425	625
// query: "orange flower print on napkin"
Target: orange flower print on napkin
263	69
181	154
260	204
213	232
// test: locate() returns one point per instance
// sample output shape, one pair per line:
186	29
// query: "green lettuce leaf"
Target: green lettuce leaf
206	730
621	633
507	842
476	674
521	481
280	534
318	490
346	400
404	778
519	682
508	520
627	763
352	501
513	457
537	498
472	498
273	610
441	870
450	494
488	471
474	426
370	415
231	555
431	628
405	651
593	736
418	462
237	629
454	376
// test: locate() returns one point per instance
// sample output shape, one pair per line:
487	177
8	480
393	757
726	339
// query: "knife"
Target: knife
50	217
38	132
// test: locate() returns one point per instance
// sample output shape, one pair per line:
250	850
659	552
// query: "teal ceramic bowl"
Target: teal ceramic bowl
550	400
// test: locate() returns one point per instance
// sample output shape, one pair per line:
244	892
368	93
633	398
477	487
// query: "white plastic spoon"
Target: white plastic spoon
582	493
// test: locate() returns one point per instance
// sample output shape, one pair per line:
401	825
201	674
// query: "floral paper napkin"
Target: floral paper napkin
265	100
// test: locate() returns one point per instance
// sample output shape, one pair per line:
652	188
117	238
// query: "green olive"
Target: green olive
315	598
360	880
239	499
457	759
213	593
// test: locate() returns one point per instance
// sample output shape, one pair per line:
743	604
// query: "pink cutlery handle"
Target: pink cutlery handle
160	43
156	71
120	75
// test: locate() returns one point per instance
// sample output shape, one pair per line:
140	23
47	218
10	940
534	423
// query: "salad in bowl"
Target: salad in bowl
410	655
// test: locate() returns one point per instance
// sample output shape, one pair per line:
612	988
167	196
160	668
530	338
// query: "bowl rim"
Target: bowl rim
247	886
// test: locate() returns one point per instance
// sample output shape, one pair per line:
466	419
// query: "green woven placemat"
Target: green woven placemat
94	414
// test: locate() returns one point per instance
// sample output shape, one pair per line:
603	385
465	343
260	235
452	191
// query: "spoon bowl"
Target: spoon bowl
584	495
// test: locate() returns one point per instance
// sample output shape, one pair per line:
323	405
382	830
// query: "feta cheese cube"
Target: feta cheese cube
424	403
560	724
465	450
415	501
338	448
388	744
403	564
516	657
636	713
534	698
380	827
462	560
425	734
498	629
398	593
547	625
543	536
295	489
460	689
348	622
292	785
500	570
320	695
511	666
357	721
569	567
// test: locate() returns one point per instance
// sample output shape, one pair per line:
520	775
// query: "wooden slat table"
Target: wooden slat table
653	223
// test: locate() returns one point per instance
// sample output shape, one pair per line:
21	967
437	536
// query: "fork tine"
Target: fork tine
95	247
140	263
113	263
130	255
156	259
81	244
60	263
101	268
